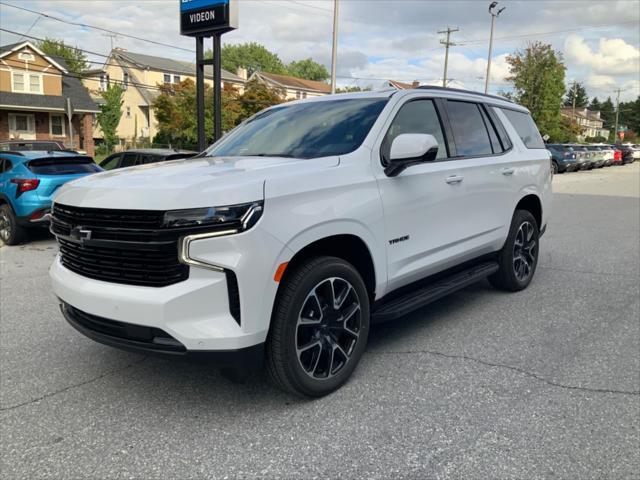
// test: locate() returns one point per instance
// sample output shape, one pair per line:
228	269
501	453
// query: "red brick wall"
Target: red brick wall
82	130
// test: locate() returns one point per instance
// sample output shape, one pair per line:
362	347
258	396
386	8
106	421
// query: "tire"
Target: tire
554	168
518	264
10	232
301	353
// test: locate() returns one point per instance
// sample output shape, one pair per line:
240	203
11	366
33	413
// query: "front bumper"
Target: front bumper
153	341
196	312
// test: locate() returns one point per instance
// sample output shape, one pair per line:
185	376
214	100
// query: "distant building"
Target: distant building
402	85
141	75
293	88
34	88
589	121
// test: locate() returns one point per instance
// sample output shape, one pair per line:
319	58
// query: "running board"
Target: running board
414	299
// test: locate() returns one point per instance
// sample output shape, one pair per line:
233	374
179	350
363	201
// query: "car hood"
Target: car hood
185	183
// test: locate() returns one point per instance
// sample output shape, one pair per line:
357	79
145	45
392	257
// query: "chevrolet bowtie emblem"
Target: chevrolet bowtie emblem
80	233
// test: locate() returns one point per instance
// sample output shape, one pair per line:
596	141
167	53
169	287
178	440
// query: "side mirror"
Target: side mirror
411	149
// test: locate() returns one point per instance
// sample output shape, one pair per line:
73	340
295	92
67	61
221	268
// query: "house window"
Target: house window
128	112
18	82
298	94
22	126
125	81
35	83
176	79
104	82
57	125
167	78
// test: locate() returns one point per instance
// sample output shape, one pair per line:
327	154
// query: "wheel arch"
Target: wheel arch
532	203
347	246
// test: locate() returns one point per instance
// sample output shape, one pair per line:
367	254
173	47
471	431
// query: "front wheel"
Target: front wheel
554	168
319	327
519	255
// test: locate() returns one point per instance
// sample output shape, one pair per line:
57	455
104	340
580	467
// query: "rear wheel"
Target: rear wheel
554	168
319	327
519	255
10	232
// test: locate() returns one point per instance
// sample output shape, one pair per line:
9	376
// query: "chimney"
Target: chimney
242	73
415	84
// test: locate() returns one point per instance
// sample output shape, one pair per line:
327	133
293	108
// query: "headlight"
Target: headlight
241	217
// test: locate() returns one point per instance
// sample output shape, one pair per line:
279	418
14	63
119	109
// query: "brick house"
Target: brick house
34	89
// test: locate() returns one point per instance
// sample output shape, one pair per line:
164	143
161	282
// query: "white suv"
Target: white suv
287	238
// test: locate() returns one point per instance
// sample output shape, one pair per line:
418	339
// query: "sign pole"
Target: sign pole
200	92
69	117
217	87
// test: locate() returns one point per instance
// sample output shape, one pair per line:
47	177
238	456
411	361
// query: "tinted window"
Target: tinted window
305	130
147	158
1	165
63	166
469	130
417	116
493	137
5	165
112	162
526	128
129	159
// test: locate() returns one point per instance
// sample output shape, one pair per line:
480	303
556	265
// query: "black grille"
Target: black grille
123	246
125	334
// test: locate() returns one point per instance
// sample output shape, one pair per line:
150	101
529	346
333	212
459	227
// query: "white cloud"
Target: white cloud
613	57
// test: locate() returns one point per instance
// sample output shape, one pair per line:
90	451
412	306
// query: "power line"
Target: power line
524	35
84	25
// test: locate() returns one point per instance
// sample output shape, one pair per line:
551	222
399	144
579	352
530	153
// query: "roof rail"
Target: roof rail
12	152
461	90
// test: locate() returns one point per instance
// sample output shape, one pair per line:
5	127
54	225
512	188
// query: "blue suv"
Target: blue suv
28	182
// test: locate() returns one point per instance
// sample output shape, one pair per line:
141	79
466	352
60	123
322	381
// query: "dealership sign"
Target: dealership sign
206	17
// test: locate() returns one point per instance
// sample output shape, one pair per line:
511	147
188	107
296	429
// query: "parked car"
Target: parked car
617	154
306	223
131	158
597	156
608	154
563	158
588	157
26	145
28	181
627	153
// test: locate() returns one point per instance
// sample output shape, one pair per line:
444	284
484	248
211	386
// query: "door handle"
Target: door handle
508	171
454	179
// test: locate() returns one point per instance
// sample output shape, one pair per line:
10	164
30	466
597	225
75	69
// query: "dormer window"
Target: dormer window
104	82
27	57
23	82
125	81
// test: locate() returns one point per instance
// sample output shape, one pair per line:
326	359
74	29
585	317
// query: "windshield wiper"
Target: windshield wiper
283	155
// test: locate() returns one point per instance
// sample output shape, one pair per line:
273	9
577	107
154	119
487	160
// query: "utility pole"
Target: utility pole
494	15
615	132
573	106
447	44
334	50
112	36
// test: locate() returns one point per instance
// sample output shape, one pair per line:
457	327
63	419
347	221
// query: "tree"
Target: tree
109	116
75	59
630	115
595	105
252	56
308	69
354	89
577	91
258	96
176	113
607	113
537	74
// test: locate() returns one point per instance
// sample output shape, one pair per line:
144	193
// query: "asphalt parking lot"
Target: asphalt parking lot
543	383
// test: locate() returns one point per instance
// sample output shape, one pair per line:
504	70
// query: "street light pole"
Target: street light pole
494	15
334	50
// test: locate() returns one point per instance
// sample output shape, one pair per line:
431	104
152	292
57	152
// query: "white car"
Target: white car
286	239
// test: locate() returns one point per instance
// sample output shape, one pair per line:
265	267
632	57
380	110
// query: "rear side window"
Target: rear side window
526	128
469	130
144	159
112	162
129	160
63	166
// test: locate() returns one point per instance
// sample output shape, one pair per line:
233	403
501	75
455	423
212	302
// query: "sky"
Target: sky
378	39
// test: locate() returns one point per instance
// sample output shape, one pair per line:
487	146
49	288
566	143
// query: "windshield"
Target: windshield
303	130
